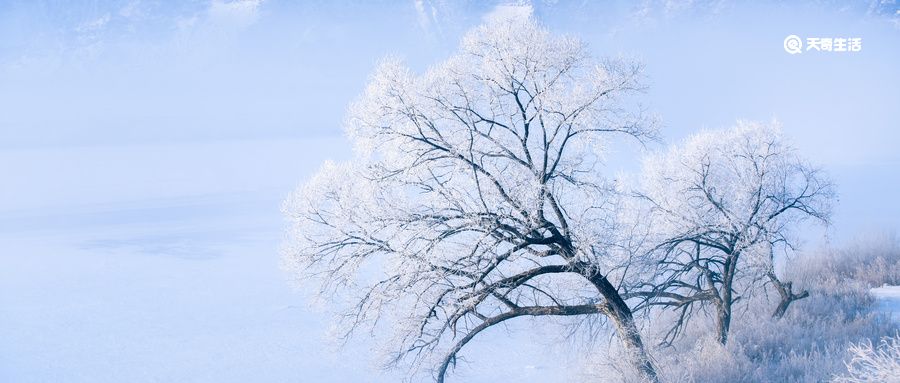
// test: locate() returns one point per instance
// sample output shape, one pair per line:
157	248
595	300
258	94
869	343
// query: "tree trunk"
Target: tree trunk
626	329
723	308
786	292
631	339
782	308
723	320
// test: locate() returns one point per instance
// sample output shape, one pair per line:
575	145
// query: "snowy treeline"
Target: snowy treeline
478	195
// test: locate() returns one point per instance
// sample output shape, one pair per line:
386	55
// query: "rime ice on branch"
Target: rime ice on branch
476	197
723	203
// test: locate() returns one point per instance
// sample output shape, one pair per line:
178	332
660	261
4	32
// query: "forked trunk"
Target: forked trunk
786	292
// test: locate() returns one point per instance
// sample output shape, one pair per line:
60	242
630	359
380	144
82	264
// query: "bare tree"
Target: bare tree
474	197
723	203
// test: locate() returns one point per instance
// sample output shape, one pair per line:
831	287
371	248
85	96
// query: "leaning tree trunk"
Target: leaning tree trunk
786	292
626	329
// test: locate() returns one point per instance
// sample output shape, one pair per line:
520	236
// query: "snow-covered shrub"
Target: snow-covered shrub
872	363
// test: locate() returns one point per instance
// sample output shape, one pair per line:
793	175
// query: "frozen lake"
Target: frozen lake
160	263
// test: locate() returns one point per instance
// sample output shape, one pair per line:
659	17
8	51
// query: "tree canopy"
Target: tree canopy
476	195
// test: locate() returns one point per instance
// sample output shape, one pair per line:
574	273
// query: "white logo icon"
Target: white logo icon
793	44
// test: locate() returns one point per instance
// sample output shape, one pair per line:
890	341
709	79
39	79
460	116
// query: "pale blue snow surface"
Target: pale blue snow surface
175	277
887	300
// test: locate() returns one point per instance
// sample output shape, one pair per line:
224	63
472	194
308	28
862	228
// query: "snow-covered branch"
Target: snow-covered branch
474	196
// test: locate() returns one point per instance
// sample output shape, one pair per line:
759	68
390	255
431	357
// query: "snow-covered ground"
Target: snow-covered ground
888	300
160	264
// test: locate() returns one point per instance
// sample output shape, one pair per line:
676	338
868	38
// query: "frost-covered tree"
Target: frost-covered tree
475	197
723	203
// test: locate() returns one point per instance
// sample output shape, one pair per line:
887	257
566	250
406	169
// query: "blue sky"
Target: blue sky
145	148
114	73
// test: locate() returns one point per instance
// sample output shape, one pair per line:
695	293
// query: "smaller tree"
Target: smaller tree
723	204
